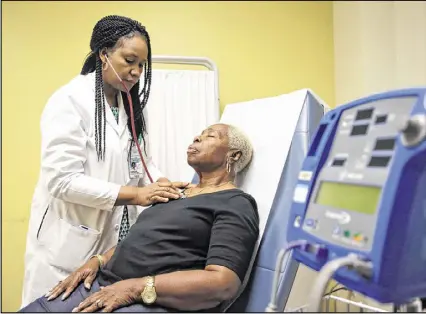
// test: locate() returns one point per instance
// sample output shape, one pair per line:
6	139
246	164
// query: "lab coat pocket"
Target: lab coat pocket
71	245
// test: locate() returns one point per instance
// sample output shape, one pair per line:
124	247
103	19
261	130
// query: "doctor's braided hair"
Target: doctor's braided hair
108	33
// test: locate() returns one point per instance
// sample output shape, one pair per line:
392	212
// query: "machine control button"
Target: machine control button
297	221
358	237
312	223
336	230
414	130
347	233
381	119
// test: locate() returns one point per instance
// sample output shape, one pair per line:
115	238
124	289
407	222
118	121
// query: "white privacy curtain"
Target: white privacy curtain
182	103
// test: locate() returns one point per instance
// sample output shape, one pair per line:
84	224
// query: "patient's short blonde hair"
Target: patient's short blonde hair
239	140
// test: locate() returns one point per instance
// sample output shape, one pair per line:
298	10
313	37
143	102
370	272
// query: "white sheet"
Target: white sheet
181	105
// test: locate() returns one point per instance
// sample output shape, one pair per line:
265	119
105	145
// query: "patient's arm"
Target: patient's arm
182	290
194	289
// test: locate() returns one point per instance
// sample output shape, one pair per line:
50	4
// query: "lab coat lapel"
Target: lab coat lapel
119	127
110	117
122	116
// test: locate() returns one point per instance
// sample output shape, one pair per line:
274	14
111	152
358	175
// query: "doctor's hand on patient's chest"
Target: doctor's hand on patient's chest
158	192
87	272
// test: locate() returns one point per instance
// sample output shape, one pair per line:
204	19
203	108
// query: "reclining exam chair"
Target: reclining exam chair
280	129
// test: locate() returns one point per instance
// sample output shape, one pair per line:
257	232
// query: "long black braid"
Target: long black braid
106	34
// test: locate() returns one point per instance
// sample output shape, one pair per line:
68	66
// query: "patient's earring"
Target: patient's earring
228	166
104	66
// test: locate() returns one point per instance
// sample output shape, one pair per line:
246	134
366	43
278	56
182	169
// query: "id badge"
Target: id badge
135	163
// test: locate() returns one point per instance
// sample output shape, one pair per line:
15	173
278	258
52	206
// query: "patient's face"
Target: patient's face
208	150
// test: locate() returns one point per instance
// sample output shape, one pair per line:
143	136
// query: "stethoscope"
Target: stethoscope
132	119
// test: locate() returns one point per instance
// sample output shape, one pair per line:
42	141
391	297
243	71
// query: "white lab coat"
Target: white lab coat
75	189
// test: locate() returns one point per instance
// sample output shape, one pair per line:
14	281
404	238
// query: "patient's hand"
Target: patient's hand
87	272
110	298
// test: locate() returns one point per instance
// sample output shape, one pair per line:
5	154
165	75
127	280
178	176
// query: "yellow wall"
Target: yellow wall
385	42
261	48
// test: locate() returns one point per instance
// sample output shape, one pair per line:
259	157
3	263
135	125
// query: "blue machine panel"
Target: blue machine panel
362	189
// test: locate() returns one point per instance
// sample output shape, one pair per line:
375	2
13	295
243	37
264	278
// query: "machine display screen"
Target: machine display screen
358	198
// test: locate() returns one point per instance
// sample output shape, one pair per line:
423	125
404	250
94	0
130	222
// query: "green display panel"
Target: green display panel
357	198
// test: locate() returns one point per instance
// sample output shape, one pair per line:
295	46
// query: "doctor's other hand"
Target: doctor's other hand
87	272
159	192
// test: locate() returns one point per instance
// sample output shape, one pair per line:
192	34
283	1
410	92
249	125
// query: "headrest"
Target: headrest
269	124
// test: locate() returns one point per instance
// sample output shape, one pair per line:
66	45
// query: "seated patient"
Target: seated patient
189	254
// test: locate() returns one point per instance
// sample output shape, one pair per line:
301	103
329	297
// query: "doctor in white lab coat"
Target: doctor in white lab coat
91	178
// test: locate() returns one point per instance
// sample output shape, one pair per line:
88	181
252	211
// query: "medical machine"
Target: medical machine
359	207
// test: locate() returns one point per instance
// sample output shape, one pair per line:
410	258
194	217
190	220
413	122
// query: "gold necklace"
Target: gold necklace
187	193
